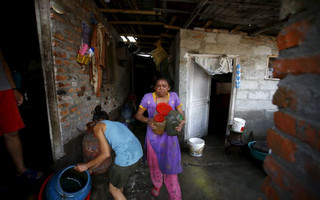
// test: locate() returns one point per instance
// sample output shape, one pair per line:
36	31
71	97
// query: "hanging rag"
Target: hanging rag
95	70
212	66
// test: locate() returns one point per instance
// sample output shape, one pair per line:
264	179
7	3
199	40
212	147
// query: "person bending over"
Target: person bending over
115	136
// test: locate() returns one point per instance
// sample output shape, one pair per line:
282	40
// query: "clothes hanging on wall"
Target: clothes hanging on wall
98	61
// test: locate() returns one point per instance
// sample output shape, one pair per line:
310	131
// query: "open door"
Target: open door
199	90
197	113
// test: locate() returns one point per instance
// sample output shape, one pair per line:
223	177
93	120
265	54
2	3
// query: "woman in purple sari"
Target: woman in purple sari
163	151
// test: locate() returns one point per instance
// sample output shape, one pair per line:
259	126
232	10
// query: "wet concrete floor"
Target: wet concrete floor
213	176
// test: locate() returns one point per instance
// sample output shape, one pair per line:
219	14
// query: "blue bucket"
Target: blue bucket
69	184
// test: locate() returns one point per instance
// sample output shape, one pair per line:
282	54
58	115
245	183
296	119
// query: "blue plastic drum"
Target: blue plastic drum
69	184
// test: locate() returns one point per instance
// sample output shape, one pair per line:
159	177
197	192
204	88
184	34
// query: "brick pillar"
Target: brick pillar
293	168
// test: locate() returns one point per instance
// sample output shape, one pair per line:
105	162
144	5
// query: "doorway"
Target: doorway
20	46
210	101
219	104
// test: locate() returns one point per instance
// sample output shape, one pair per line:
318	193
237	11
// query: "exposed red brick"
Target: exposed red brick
65	112
309	134
64	105
69	33
58	36
57	43
293	35
281	146
69	48
60	70
268	189
285	123
64	119
60	78
285	98
57	62
66	63
285	180
297	66
74	109
63	85
59	54
274	171
77	28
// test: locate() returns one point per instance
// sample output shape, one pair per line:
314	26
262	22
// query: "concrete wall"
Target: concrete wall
254	97
71	98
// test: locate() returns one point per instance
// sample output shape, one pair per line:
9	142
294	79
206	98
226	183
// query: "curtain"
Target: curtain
212	66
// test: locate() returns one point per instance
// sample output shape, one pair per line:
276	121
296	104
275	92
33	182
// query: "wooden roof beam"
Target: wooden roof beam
124	11
167	35
267	27
172	11
146	23
137	23
141	36
162	42
195	13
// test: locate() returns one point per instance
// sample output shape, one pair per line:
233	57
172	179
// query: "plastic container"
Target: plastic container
90	150
160	124
196	146
163	108
68	184
173	120
238	124
256	154
235	135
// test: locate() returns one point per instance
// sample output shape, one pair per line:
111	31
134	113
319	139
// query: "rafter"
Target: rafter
137	23
171	11
145	23
195	13
140	36
124	11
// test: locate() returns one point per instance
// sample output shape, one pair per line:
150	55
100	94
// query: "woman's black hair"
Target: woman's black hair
164	77
99	114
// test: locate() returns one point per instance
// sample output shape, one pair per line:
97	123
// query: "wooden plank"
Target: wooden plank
195	13
171	11
124	11
243	6
138	23
142	36
172	27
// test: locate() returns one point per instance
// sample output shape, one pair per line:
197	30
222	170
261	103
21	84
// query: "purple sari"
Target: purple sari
166	147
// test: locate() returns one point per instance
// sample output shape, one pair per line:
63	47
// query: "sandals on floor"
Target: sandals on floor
155	191
31	175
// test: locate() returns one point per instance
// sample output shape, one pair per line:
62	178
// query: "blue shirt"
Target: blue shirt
124	143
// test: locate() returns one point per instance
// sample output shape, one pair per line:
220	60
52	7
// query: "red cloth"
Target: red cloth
10	119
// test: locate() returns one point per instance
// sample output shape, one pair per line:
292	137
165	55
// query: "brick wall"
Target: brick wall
75	97
294	167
